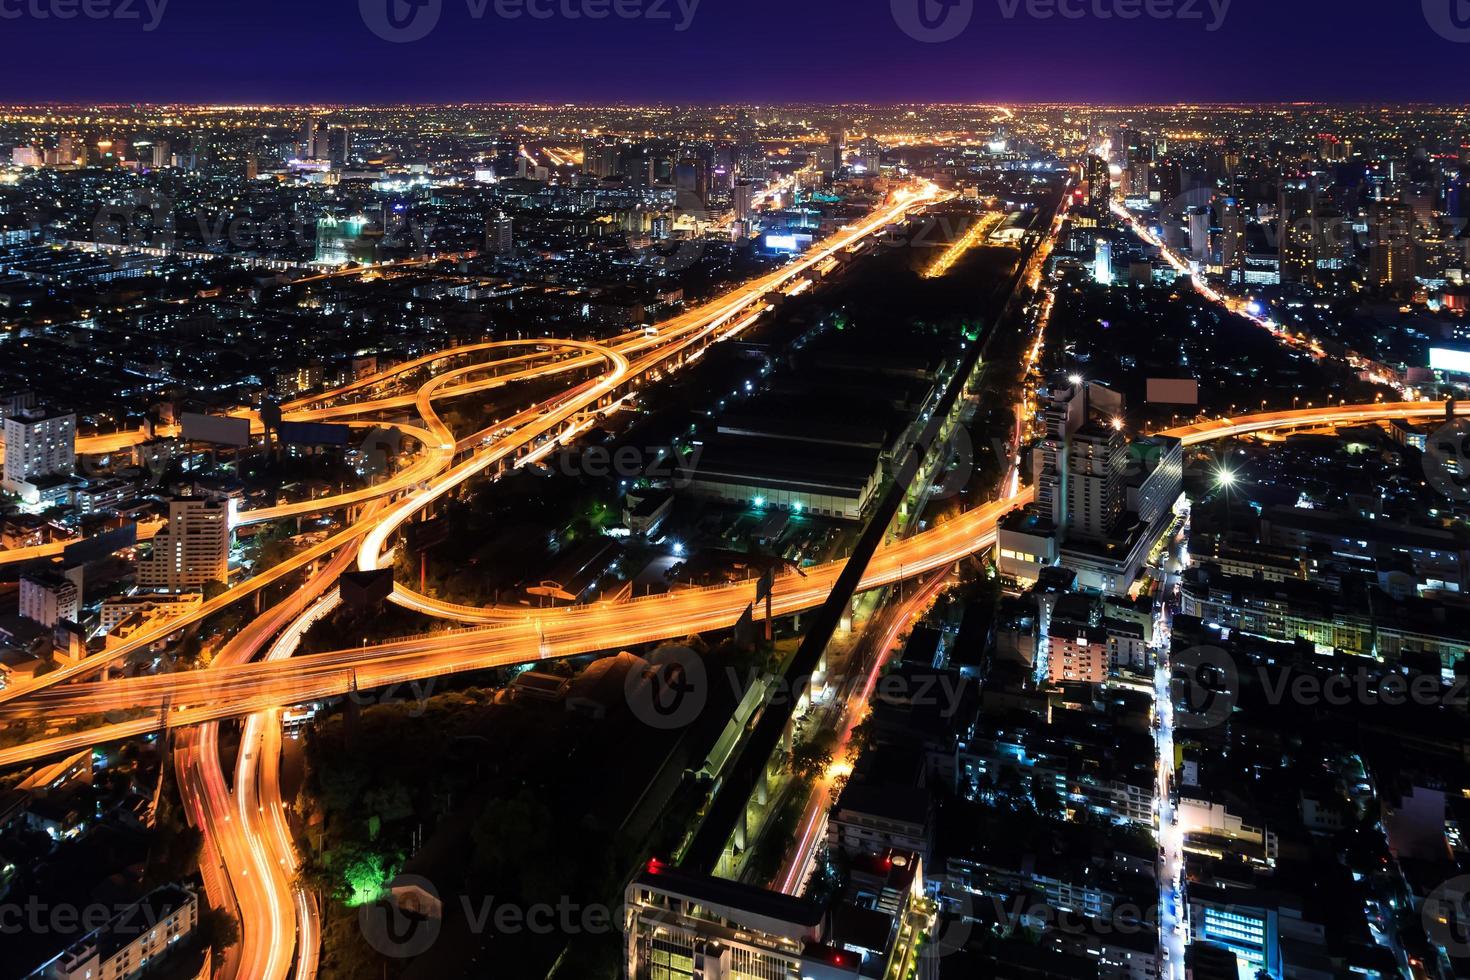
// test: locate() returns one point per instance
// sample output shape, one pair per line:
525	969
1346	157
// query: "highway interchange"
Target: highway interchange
249	862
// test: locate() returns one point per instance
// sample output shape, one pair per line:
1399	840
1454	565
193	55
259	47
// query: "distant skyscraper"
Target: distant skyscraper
162	154
1102	266
192	550
1391	248
500	235
1232	239
1297	230
1199	234
308	138
743	197
1099	185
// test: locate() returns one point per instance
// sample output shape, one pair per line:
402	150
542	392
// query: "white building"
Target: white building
49	598
156	608
192	549
132	942
38	443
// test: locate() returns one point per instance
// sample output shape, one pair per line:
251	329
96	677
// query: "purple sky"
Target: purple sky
738	50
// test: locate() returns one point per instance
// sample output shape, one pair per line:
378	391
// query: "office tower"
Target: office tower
1232	239
1391	258
1332	149
750	159
308	138
691	178
193	548
1297	230
869	155
682	925
70	151
162	154
341	147
599	159
500	235
49	598
1097	457
1199	234
322	146
1065	411
38	443
1102	266
1136	180
743	198
1080	480
1099	184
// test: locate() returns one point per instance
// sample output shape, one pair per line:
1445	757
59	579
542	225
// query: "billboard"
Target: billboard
1449	359
788	243
216	429
314	434
1168	391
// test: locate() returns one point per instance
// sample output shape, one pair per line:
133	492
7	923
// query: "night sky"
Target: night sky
737	50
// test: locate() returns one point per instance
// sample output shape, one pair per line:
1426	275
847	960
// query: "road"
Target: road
248	834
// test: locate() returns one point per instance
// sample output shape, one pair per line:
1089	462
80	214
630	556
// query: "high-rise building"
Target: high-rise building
500	235
162	154
599	159
1297	230
308	138
38	443
1097	458
193	548
1391	258
1099	184
1102	263
743	198
49	598
681	926
1232	239
1199	233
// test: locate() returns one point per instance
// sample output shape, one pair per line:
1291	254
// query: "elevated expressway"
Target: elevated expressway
184	699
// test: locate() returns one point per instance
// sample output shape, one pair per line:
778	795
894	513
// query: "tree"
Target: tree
812	758
218	930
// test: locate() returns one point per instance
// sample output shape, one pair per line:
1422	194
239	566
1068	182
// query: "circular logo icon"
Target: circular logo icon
933	21
407	923
951	928
1449	18
401	21
1205	684
958	465
1447	460
1447	916
671	691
